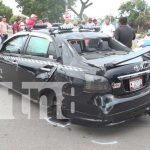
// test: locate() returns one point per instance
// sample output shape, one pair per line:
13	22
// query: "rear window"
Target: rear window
99	44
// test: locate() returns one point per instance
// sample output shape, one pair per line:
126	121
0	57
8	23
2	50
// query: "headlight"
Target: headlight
96	83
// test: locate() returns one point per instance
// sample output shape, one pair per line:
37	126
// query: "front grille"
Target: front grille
126	83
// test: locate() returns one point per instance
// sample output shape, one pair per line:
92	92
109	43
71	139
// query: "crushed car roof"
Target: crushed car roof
83	35
75	35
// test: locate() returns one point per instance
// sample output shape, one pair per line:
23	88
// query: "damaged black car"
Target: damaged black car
102	81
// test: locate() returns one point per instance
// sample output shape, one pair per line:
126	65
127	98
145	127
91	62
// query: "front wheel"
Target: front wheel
50	104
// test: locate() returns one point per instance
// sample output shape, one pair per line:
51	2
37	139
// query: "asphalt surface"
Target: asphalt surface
19	133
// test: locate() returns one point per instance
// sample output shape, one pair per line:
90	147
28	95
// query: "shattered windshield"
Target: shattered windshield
98	47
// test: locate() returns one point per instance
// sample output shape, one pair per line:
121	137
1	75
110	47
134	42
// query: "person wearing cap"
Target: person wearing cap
16	26
3	29
32	21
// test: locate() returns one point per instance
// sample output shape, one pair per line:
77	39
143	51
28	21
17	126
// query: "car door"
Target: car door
10	54
39	60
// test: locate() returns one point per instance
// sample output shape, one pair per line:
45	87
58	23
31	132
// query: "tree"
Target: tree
5	10
138	12
13	18
84	5
68	3
51	9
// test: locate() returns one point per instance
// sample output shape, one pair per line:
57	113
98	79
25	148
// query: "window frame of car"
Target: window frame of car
20	51
116	43
44	36
67	47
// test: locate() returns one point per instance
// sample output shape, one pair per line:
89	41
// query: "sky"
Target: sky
12	4
99	9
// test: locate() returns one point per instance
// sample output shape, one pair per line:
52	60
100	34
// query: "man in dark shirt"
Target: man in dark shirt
124	33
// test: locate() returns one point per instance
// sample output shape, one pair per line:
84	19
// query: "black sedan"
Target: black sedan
86	76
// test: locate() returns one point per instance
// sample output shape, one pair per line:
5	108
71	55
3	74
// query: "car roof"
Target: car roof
83	35
76	35
39	34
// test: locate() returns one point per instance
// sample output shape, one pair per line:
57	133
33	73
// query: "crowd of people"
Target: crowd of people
123	33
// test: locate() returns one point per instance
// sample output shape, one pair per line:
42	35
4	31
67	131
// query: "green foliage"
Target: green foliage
51	9
71	2
138	12
85	17
5	10
112	18
13	19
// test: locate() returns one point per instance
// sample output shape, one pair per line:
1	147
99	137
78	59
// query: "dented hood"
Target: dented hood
114	60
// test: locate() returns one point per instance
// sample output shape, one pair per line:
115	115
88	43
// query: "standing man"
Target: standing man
124	33
108	28
90	23
16	26
3	29
96	25
67	19
32	21
95	22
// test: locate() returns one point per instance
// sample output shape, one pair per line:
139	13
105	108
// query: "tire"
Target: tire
51	104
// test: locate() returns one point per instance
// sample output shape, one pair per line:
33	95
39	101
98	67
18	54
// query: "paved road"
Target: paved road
39	134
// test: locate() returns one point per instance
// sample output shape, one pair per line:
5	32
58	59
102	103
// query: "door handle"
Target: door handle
45	69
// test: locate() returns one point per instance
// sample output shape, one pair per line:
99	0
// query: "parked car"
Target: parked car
111	83
145	41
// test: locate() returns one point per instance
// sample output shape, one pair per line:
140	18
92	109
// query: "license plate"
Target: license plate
136	83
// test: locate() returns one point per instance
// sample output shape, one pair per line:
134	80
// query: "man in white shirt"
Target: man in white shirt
67	19
90	23
108	28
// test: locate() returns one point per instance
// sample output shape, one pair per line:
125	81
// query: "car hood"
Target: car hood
114	60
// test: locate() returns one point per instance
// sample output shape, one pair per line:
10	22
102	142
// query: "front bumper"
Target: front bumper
115	110
113	119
